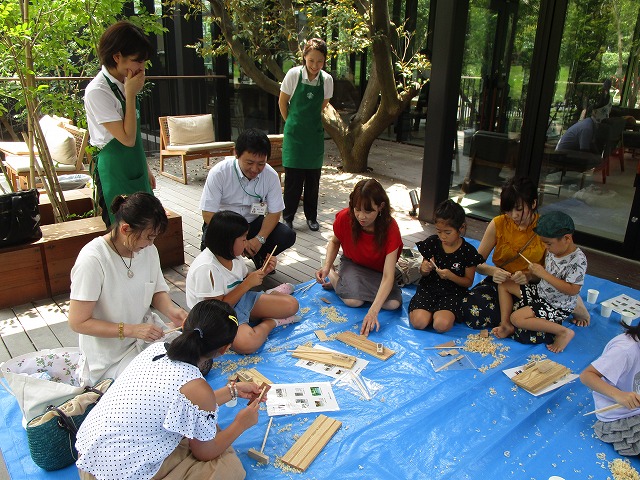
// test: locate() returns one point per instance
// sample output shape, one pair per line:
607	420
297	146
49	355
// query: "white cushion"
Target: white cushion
196	147
190	130
20	164
62	145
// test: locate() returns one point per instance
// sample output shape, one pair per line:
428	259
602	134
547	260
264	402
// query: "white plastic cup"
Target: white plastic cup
592	295
605	309
626	318
555	477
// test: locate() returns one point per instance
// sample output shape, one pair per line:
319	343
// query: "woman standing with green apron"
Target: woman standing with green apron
304	94
113	128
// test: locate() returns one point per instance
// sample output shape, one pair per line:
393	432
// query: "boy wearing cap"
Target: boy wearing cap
549	302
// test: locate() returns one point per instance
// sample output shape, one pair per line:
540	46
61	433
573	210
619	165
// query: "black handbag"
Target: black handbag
19	218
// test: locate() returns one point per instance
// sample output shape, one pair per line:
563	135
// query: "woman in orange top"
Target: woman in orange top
510	236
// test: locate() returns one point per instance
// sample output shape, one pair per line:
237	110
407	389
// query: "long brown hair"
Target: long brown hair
365	194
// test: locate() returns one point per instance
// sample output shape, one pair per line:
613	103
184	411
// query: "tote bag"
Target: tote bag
19	218
46	377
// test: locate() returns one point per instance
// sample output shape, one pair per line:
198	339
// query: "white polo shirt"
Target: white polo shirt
227	188
102	106
290	81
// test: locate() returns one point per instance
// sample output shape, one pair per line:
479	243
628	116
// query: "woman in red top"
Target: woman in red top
371	245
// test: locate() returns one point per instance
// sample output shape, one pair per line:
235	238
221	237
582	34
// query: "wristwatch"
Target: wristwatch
260	239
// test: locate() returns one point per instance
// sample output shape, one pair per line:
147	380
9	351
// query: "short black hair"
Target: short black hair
225	226
450	212
127	39
254	141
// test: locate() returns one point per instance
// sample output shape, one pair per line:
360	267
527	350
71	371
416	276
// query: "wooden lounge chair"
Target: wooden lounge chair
191	151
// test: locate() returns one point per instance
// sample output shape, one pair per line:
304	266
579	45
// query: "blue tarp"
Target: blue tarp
460	424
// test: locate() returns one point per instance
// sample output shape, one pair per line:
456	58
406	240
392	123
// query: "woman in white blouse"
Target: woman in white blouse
116	279
160	418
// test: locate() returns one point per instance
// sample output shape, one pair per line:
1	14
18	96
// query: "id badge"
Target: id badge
258	208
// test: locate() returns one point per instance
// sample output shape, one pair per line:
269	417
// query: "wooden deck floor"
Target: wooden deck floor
43	324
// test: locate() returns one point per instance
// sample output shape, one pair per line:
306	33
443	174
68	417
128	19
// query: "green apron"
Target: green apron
123	170
303	144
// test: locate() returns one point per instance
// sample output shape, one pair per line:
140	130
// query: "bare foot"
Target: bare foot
327	286
562	340
503	331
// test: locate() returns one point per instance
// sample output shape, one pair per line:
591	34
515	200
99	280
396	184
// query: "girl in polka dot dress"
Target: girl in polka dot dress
160	418
447	270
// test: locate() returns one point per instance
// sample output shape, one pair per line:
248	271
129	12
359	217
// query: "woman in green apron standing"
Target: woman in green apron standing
113	115
304	94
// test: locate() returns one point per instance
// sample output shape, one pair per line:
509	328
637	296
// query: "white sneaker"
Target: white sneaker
286	321
284	288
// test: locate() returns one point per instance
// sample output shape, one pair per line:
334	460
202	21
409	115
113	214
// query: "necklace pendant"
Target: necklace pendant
129	273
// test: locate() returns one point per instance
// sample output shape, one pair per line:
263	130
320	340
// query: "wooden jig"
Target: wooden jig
362	343
311	443
539	375
322	356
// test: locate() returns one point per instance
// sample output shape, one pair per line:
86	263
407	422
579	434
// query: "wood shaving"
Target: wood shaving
331	314
622	470
486	346
233	365
492	391
304	310
601	456
507	453
286	428
536	357
284	467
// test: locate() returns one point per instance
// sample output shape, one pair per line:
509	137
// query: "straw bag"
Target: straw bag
46	377
52	435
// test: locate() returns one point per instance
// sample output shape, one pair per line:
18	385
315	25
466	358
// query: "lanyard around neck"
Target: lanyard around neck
254	194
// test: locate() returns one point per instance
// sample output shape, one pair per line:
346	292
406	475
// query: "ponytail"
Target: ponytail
211	324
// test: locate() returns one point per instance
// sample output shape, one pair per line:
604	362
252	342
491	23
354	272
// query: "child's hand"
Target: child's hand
520	278
631	400
248	390
501	276
271	264
537	269
426	267
255	278
248	416
444	273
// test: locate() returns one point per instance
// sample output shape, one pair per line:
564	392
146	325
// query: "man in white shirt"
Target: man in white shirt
248	185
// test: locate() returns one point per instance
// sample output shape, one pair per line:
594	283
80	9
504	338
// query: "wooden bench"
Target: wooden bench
42	269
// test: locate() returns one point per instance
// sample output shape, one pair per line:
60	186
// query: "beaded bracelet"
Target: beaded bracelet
232	390
121	330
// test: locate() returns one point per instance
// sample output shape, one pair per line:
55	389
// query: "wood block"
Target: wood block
362	343
450	343
311	443
321	335
540	375
323	356
252	375
23	274
264	388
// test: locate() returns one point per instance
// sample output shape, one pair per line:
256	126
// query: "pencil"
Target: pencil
526	259
615	406
266	262
448	364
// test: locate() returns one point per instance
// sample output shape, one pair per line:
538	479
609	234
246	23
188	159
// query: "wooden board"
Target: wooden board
539	375
323	356
362	343
311	443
